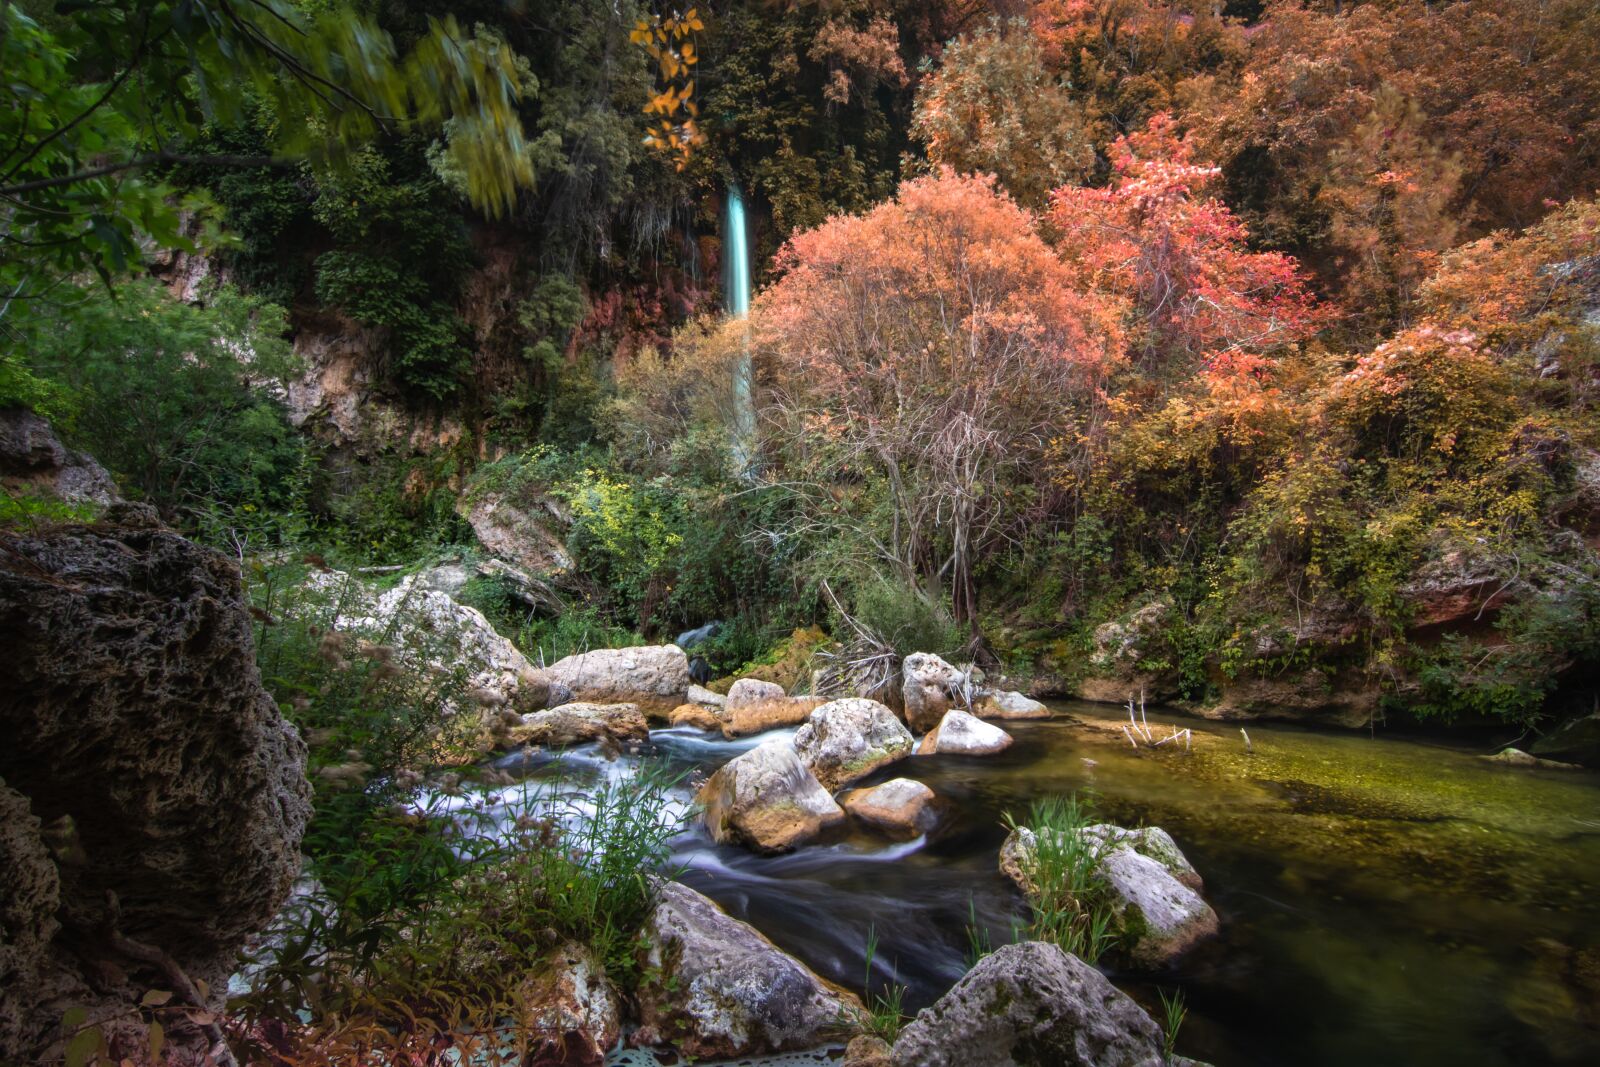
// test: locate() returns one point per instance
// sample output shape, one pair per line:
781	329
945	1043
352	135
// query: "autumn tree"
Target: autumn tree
992	107
1158	237
920	357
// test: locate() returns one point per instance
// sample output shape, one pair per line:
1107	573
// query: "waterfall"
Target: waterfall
736	297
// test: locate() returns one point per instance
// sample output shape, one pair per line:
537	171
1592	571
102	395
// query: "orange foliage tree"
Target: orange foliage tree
921	357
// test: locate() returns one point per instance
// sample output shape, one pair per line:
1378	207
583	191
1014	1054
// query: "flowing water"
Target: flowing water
1383	900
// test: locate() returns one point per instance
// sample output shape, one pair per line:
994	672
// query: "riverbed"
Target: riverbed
1384	900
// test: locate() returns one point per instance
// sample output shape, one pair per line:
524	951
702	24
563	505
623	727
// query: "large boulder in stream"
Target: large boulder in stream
1010	704
928	688
844	740
655	677
580	723
960	734
767	800
1157	911
715	988
154	798
1031	1005
899	806
754	706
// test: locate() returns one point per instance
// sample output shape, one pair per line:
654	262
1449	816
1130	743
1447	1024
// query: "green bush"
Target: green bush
1073	906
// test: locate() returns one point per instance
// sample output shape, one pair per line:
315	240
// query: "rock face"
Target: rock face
1159	914
1574	741
754	706
716	989
927	686
573	1019
33	461
1348	699
529	533
899	806
1009	704
576	724
143	760
844	740
655	677
767	800
1031	1005
960	734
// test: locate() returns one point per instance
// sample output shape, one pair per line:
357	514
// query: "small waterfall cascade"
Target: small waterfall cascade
736	297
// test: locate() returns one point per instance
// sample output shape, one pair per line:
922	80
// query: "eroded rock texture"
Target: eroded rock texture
152	790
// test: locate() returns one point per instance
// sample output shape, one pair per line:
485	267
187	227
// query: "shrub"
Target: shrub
1072	904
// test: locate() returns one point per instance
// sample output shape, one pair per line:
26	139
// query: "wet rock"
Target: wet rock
1031	1005
580	723
34	462
844	740
1009	704
1158	915
866	1050
929	687
570	1012
754	706
960	734
1574	741
900	806
655	677
1515	757
144	763
767	800
715	988
699	716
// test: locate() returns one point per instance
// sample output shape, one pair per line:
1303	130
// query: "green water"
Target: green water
1384	901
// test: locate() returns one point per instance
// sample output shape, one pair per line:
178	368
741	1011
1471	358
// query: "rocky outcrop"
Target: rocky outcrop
154	797
960	734
767	800
1347	698
1009	704
572	1017
900	806
1458	583
1031	1005
929	687
655	677
844	740
525	529
754	706
34	462
715	988
1158	913
580	723
1115	670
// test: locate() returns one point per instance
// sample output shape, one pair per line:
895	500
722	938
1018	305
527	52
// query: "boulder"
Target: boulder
570	1014
754	706
900	806
715	988
1515	757
844	740
526	529
960	734
767	800
1031	1005
928	686
580	723
34	462
1009	704
699	694
1158	915
655	677
153	798
699	716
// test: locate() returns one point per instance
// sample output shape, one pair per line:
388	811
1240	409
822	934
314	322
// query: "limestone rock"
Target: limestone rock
1009	704
928	685
767	800
1348	699
843	740
754	706
900	806
699	694
656	677
1158	915
571	1014
33	461
580	723
960	734
715	988
139	733
526	530
697	715
1031	1005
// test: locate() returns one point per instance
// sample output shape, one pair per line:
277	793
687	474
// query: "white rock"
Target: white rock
1009	704
767	800
844	740
900	805
961	734
656	677
928	685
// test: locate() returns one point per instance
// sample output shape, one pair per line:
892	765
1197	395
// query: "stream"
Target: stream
1384	900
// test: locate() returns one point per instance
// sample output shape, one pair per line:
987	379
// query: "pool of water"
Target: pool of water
1383	900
